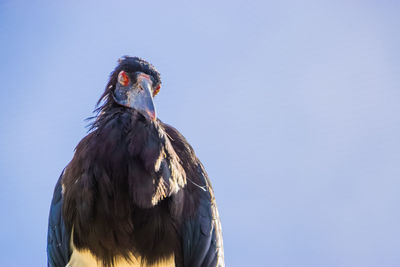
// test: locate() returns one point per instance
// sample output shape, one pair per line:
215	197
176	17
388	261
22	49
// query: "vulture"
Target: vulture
134	193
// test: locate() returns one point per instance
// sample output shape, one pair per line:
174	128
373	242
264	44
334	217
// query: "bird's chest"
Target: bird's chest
86	259
153	237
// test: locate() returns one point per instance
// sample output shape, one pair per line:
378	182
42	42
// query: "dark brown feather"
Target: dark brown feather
118	175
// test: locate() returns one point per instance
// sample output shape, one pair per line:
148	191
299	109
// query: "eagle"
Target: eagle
134	193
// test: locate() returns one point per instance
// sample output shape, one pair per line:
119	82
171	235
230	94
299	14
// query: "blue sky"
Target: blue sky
292	106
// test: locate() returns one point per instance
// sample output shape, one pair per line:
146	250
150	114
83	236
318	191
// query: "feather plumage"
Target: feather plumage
134	190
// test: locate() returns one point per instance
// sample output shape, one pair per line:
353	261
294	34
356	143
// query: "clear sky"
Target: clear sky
292	106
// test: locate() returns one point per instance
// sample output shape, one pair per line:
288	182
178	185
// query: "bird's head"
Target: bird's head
133	84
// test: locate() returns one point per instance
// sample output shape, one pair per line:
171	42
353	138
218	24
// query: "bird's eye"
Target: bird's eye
156	90
123	78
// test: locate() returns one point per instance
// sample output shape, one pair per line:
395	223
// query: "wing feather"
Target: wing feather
58	237
201	233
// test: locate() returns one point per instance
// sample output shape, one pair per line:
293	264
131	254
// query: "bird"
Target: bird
134	193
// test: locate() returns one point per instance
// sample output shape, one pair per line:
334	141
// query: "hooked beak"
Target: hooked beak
138	96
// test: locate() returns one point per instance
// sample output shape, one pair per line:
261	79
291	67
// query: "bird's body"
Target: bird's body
134	193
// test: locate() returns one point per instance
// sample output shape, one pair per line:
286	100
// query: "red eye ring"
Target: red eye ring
156	90
123	78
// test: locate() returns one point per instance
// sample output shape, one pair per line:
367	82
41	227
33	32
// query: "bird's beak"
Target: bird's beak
139	96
